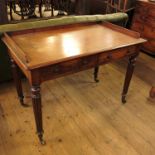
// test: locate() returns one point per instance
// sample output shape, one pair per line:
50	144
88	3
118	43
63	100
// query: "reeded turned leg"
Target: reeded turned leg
96	74
18	83
36	100
129	73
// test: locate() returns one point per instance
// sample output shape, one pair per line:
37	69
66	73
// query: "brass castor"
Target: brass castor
123	99
42	141
96	80
21	99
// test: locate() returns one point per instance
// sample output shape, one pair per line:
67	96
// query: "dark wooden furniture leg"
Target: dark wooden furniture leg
18	83
52	8
40	8
96	70
11	9
130	69
36	100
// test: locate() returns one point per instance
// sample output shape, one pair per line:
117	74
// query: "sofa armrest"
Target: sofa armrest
116	17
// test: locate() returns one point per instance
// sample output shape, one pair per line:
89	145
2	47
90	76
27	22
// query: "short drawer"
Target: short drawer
87	62
68	67
116	54
150	22
149	46
59	69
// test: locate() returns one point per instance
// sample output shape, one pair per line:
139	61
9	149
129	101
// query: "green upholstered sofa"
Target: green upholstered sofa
5	70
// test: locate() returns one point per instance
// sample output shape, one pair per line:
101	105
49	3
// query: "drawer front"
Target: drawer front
87	62
140	13
58	69
140	17
149	32
116	54
136	26
68	67
149	46
151	11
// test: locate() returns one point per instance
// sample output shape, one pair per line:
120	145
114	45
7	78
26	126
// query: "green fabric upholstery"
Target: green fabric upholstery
63	21
4	60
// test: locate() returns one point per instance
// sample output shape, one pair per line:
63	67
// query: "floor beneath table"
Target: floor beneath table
82	117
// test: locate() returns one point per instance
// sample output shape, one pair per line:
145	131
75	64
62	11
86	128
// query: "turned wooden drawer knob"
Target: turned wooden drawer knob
56	69
84	62
109	56
129	52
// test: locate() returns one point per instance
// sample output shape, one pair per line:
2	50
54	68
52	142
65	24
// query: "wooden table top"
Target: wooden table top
55	44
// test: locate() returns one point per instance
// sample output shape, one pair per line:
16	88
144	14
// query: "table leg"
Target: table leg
36	100
18	83
129	73
96	70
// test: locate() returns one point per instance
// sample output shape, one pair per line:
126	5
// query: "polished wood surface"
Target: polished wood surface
82	117
45	54
143	22
60	44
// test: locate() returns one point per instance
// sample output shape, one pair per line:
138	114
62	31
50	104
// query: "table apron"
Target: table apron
82	63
